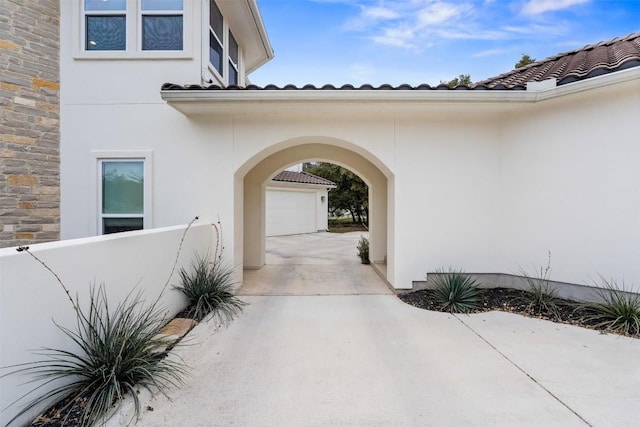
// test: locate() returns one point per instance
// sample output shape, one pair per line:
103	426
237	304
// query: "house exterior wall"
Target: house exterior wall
570	185
29	122
487	187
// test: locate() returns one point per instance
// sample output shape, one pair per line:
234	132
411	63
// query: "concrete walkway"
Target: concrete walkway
370	360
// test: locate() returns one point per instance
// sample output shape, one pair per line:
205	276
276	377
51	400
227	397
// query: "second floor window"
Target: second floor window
133	25
162	26
224	53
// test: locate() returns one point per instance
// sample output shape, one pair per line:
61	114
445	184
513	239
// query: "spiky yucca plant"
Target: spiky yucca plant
541	297
618	309
209	287
455	291
117	351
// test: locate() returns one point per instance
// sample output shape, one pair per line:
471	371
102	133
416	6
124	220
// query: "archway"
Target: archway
252	177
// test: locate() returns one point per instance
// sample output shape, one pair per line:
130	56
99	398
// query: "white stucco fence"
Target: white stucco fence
31	298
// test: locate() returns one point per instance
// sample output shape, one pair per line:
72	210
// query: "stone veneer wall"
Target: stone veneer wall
29	121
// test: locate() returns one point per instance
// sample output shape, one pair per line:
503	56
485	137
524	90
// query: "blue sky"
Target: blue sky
426	41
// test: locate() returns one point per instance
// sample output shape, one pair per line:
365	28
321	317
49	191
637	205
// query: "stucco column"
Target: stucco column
254	232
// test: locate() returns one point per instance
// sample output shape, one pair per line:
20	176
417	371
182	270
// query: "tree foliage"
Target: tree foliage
462	79
351	194
525	60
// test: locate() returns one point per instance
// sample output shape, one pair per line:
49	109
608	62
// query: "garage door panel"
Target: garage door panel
290	212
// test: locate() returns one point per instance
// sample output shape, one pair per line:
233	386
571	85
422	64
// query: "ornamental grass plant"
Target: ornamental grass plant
541	297
210	290
455	291
618	309
210	286
113	351
117	350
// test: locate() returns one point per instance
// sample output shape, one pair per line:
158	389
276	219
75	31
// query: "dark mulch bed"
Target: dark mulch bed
512	301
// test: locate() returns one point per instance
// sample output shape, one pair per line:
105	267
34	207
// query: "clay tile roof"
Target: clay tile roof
590	61
302	178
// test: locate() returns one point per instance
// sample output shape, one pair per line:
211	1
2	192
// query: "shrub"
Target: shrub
541	297
118	350
455	291
363	250
210	290
618	309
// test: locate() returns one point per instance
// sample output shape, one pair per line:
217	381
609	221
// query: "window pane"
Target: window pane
162	32
105	4
215	19
233	74
117	225
233	48
215	53
122	187
106	32
161	4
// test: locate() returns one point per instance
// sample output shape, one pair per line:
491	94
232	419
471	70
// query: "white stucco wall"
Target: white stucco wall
31	298
571	185
487	184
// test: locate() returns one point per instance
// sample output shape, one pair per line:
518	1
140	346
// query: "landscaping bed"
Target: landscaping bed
517	301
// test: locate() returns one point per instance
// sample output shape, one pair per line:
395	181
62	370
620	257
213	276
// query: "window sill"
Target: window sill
123	55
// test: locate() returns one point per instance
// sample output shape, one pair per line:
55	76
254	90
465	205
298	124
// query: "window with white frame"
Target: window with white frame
133	25
121	195
105	24
233	60
224	53
216	37
162	24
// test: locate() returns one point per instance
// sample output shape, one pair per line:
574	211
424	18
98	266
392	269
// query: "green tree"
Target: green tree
462	79
525	60
351	193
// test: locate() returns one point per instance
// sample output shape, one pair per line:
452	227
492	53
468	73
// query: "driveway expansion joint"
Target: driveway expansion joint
518	367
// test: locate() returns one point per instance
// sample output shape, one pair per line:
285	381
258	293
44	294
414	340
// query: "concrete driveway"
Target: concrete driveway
349	358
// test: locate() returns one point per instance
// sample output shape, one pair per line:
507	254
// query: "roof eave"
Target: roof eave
198	101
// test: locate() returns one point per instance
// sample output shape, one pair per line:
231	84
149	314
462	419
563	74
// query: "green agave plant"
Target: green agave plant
210	290
117	351
618	309
455	291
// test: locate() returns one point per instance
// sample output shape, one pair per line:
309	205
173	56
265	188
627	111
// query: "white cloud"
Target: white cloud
379	12
440	12
536	7
489	52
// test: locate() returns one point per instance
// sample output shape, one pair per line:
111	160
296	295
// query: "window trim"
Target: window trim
144	156
133	34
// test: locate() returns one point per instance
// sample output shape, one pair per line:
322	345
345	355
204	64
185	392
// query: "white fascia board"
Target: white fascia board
248	27
180	98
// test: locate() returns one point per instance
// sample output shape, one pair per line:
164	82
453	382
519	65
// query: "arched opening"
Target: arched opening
253	176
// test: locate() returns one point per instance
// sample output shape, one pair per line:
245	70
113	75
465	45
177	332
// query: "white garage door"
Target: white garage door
290	212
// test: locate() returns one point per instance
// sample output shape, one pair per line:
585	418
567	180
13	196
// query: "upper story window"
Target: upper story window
105	24
134	28
233	60
162	24
216	37
224	55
